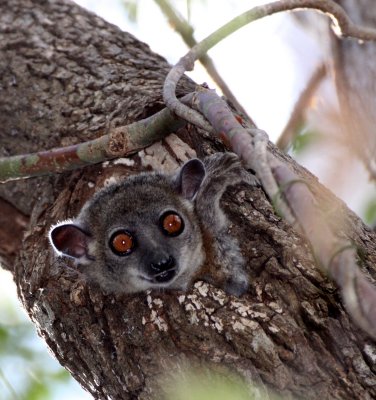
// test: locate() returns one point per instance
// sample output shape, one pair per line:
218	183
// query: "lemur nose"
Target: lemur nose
163	265
163	269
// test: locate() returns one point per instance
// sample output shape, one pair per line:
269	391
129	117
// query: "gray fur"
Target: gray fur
136	205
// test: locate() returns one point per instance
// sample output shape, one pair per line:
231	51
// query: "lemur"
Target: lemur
154	230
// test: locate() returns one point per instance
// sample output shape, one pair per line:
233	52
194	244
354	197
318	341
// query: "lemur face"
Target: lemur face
146	232
139	234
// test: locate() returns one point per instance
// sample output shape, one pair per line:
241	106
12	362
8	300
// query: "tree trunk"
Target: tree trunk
355	74
68	76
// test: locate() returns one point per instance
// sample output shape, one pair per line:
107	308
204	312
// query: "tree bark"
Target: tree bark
68	76
355	74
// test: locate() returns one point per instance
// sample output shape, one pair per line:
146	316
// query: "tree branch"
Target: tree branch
249	144
336	256
121	141
126	140
186	63
186	32
358	294
292	127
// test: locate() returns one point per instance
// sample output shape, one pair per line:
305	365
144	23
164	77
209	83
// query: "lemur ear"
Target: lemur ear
69	240
190	177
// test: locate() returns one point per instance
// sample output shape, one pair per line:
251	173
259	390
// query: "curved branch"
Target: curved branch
249	144
186	63
186	32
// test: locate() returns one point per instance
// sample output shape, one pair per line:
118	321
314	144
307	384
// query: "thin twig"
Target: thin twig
297	117
185	30
186	63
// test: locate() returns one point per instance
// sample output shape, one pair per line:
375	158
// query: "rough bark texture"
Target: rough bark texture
67	76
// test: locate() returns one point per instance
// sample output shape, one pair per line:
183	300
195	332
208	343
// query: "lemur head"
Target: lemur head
141	233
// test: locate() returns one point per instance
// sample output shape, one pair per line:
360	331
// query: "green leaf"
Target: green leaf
4	335
131	8
210	385
304	140
370	212
61	376
37	391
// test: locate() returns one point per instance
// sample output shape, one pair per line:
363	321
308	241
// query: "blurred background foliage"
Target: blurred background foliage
204	384
27	370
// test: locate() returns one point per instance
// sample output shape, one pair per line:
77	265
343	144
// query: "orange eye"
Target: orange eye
121	243
172	224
